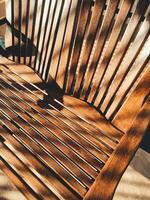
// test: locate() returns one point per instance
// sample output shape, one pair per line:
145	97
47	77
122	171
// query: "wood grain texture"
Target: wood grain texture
75	103
112	171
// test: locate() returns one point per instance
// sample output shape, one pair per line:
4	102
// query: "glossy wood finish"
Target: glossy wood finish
74	102
62	140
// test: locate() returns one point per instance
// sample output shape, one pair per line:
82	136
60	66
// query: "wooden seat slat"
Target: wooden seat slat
17	180
49	178
84	152
56	138
64	110
43	154
24	172
49	145
68	102
22	106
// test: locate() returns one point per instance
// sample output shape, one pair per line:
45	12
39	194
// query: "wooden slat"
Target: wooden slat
136	98
46	175
104	61
59	40
29	49
44	154
66	47
13	23
41	111
43	38
15	178
137	61
52	43
124	46
33	30
97	120
127	147
108	20
39	31
121	49
19	28
44	134
48	146
10	157
54	16
39	95
102	126
86	5
85	148
89	41
55	122
52	147
97	137
92	129
26	13
16	16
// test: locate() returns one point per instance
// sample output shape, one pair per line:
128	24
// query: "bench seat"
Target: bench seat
50	145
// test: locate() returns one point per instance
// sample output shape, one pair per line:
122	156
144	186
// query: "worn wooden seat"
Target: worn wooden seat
74	94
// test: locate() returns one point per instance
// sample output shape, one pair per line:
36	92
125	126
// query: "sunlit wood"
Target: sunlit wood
74	94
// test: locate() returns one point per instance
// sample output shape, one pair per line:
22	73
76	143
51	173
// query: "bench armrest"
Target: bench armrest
105	184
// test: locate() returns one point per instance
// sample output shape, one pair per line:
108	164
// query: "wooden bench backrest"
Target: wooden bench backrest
95	50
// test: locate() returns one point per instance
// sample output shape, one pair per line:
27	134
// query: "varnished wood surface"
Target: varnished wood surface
60	138
110	174
69	119
58	134
94	50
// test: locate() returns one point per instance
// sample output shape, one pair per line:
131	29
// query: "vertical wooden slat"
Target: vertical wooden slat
100	72
39	32
12	22
91	36
121	99
17	25
72	42
128	61
43	39
26	29
86	6
137	99
54	41
60	40
53	13
128	81
103	34
66	48
19	28
33	30
124	44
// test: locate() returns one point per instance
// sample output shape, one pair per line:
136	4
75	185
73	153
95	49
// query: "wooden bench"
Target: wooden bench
74	94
